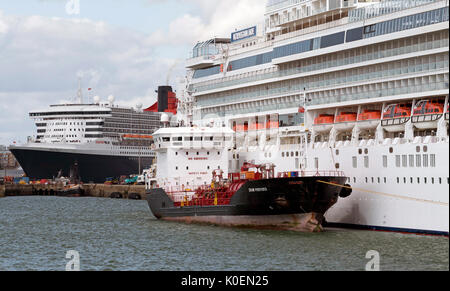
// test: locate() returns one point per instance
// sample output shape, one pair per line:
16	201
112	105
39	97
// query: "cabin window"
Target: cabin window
391	150
425	161
366	161
397	161
411	161
198	138
425	149
404	161
355	162
418	161
433	161
385	161
418	149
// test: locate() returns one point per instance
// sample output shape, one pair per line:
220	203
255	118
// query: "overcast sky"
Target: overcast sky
124	48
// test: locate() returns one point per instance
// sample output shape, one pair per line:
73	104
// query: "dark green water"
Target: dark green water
36	233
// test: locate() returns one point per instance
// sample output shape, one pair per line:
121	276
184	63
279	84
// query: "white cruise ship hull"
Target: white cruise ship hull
406	198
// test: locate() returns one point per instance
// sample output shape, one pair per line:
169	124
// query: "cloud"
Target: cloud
216	18
41	57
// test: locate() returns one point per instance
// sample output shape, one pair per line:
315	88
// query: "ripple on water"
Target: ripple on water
36	233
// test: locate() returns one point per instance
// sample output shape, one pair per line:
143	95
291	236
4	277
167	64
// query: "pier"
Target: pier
135	192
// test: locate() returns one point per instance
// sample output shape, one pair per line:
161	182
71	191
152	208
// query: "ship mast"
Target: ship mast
80	92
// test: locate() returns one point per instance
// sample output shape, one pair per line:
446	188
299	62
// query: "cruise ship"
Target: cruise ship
93	142
356	86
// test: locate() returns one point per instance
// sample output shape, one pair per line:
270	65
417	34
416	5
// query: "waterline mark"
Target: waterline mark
74	261
73	7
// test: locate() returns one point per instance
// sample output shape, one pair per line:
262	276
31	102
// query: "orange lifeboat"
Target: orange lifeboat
137	136
240	128
324	119
427	113
272	125
345	121
256	126
369	119
323	123
370	115
397	111
396	116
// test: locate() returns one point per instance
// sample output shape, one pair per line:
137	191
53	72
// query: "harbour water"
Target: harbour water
37	232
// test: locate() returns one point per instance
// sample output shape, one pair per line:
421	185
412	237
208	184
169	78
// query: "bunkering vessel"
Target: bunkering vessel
196	181
93	141
364	82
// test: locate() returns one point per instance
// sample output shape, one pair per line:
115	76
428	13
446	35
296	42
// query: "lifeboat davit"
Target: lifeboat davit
427	113
345	121
446	113
395	117
369	119
323	123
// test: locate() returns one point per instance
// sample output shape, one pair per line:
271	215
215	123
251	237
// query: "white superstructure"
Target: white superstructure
357	86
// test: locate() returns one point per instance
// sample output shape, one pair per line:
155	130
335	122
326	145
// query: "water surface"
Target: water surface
37	232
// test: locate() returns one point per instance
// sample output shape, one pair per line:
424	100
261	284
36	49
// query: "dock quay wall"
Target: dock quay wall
135	192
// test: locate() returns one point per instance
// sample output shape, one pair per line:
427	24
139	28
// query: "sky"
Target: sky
124	48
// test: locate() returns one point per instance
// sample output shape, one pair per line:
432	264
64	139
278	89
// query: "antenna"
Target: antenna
80	91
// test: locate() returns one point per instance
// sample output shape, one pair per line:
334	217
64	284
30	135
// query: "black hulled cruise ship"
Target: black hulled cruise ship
96	141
